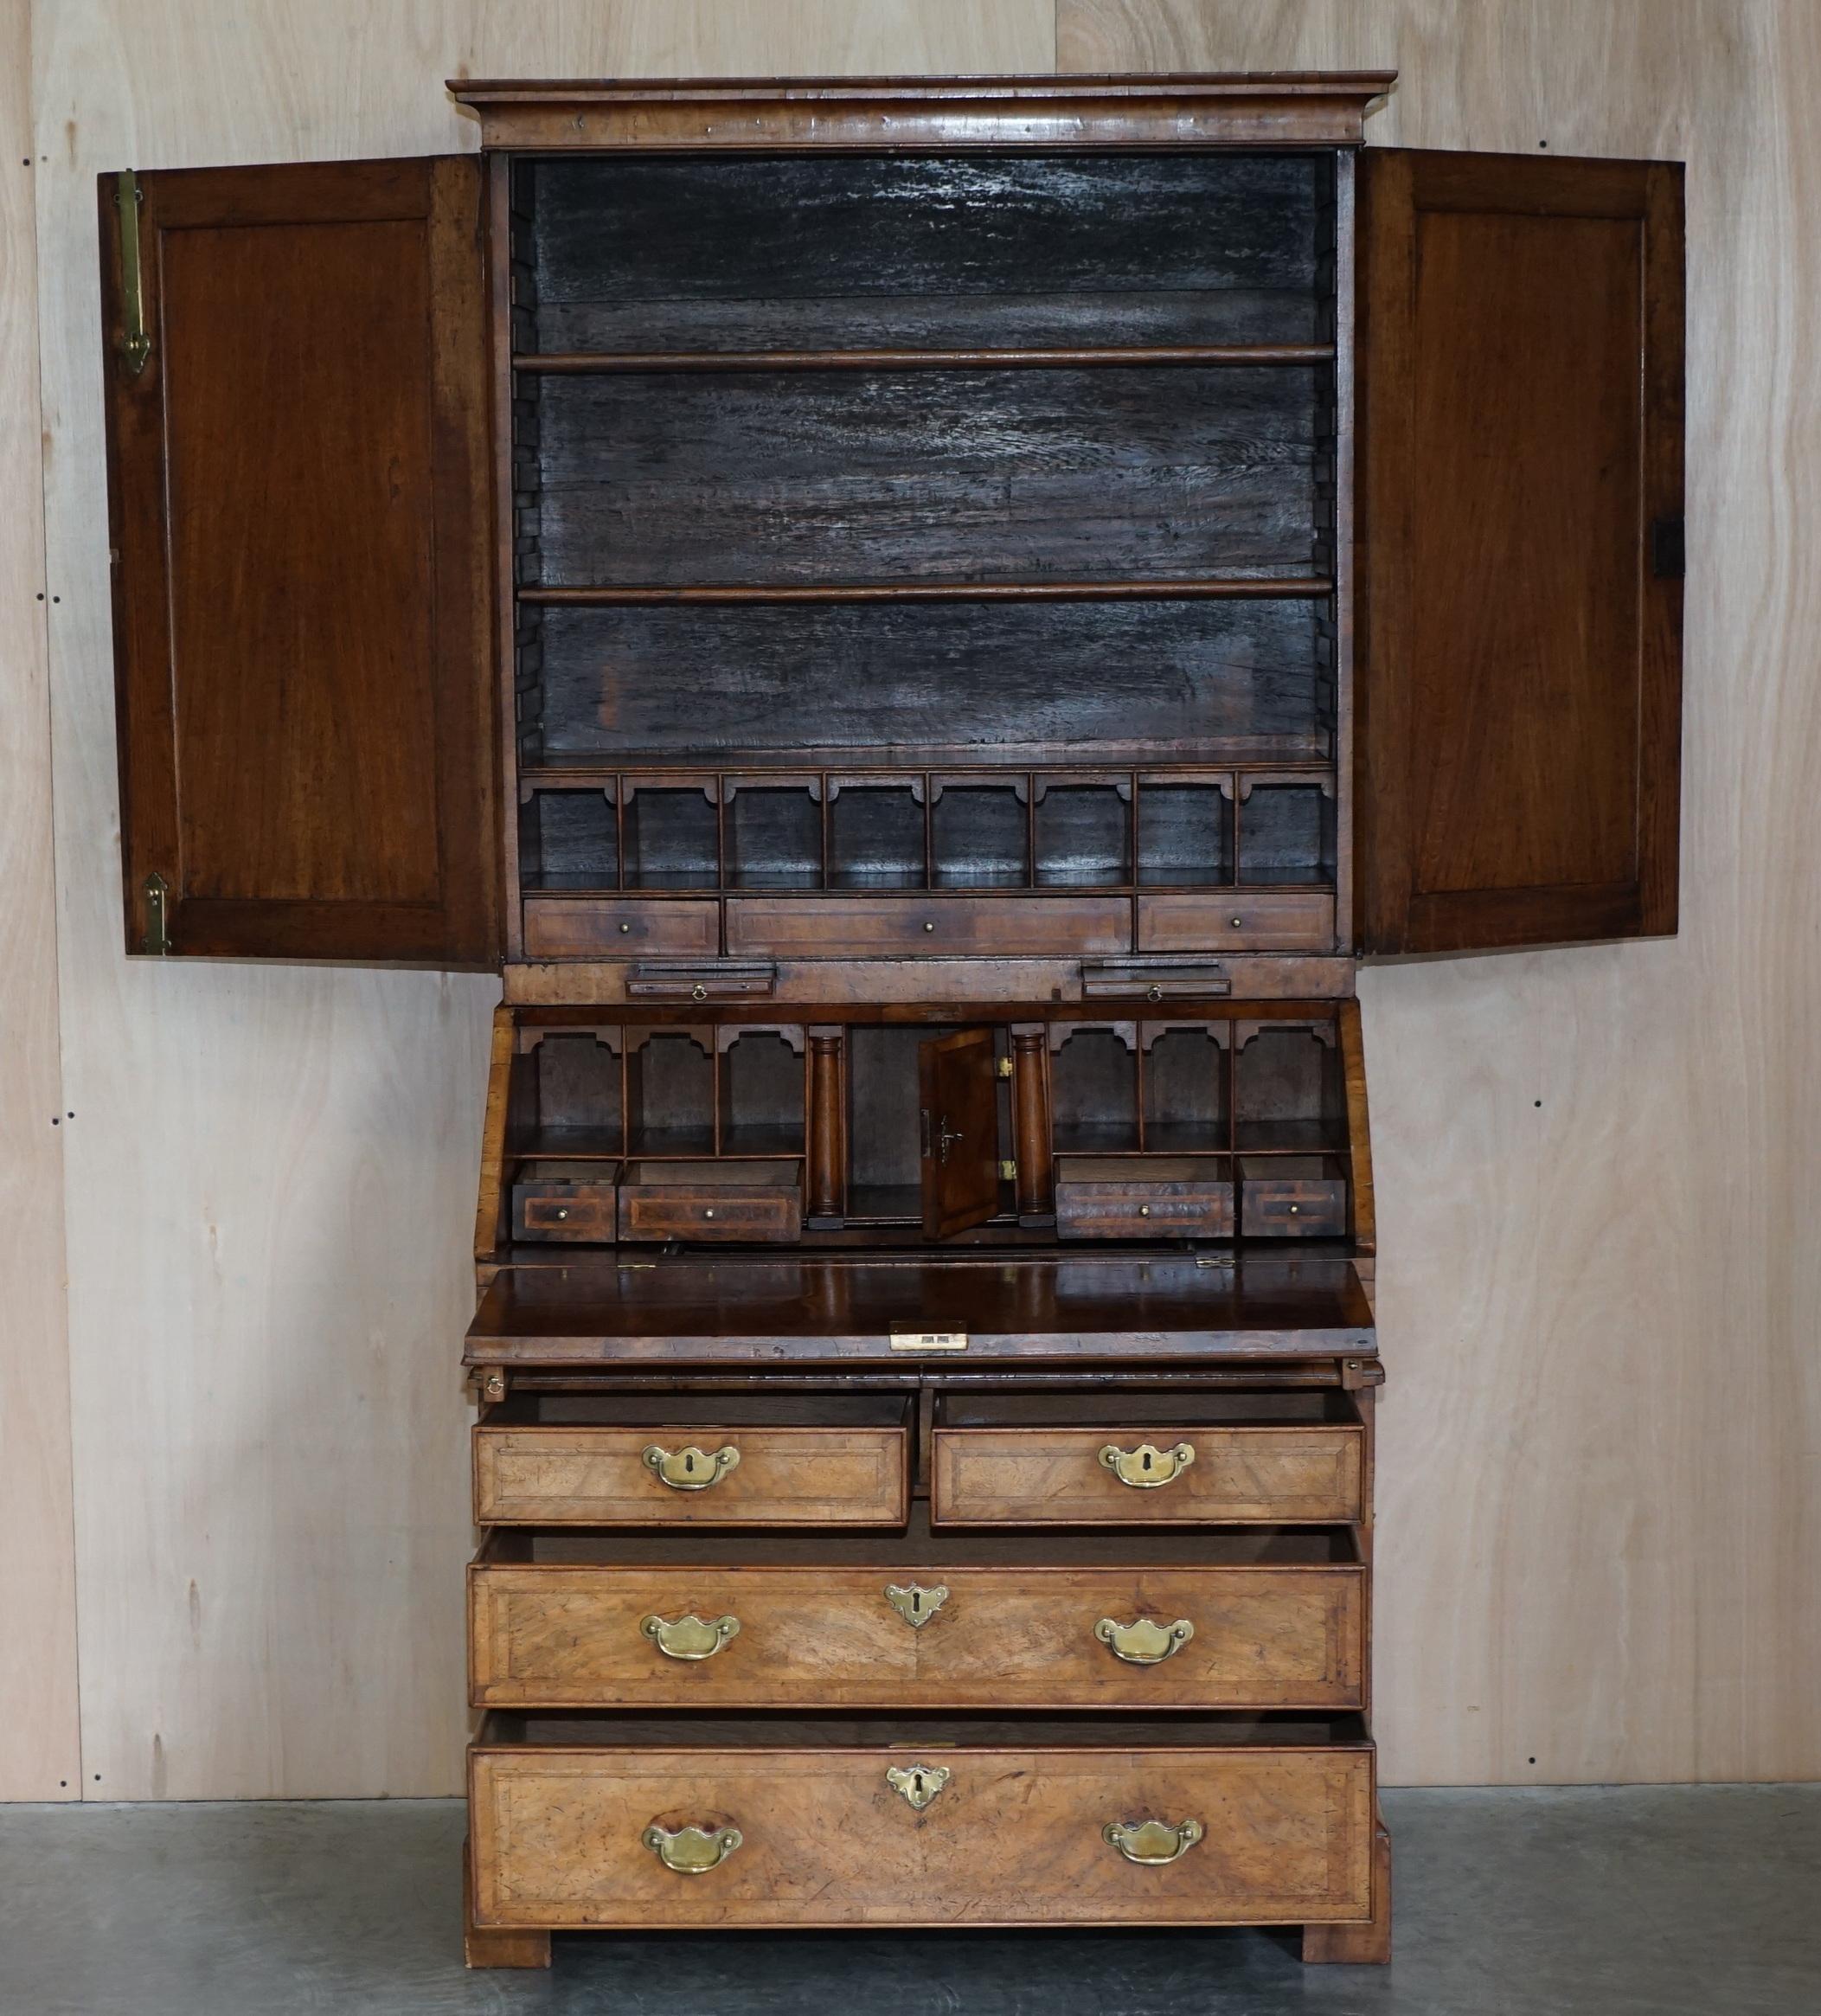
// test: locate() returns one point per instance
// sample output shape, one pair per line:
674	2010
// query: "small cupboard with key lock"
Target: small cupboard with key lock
925	625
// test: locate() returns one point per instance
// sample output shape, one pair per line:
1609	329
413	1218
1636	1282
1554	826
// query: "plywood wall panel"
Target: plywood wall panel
272	1181
1598	1171
39	1753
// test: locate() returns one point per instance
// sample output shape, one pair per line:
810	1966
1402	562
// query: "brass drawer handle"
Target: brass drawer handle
1146	1467
1151	1842
1143	1642
919	1783
691	1469
915	1605
692	1851
691	1637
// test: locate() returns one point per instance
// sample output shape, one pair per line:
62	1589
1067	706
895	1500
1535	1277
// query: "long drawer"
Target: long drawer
1262	1620
1035	1460
812	1460
618	1825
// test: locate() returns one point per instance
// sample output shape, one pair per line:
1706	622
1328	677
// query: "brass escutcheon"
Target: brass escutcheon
916	1606
692	1851
1151	1842
1143	1642
919	1783
691	1469
690	1637
1147	1468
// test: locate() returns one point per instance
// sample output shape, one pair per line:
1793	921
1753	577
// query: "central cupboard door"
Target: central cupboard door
960	1117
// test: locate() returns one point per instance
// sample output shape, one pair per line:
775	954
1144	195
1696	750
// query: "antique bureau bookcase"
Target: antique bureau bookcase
925	625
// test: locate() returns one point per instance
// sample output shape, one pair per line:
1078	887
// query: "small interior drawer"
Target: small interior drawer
1143	1197
1292	1197
1239	920
1297	1457
712	1200
1029	927
565	1200
610	927
683	1460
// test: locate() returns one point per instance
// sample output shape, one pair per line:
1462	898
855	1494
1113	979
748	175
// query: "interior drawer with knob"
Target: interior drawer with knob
1292	1197
1259	1619
608	1822
1143	1197
566	1200
724	1459
712	1200
1238	920
1039	1459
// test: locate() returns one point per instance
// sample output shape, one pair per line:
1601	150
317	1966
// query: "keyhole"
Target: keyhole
689	1463
1147	1460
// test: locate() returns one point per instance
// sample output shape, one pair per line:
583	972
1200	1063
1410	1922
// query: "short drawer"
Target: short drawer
1258	1620
1143	1197
712	1201
1300	1458
612	927
1009	926
576	1822
833	1460
1292	1197
565	1200
1245	921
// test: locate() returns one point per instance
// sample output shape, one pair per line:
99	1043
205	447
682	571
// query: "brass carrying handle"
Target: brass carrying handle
690	1637
1144	1643
1147	1468
1150	1843
692	1851
691	1469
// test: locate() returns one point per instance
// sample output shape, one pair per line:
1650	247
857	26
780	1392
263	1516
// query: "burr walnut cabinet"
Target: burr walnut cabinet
926	627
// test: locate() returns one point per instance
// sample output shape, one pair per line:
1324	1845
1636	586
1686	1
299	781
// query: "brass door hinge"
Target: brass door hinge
1004	1068
1008	1172
135	337
156	892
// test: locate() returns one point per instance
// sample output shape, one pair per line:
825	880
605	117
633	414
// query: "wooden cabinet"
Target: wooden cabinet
926	624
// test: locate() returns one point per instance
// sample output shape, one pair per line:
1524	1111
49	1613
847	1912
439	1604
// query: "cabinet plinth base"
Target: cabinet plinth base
484	1946
1366	1945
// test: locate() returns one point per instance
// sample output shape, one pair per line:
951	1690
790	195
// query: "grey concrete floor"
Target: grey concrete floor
1552	1903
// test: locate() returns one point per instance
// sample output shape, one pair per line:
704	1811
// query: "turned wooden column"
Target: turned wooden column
827	1170
1031	1124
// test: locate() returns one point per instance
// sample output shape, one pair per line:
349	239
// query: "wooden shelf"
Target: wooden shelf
1092	357
1298	587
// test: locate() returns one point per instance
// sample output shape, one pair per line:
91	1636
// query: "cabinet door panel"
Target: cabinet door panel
302	567
1521	347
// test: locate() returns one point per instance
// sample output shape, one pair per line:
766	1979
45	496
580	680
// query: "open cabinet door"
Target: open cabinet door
299	471
960	1121
1520	583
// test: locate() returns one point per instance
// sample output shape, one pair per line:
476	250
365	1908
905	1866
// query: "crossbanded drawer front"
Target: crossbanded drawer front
857	1476
1014	1836
1063	1476
820	1637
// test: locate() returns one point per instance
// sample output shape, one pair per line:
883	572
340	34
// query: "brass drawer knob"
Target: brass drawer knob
692	1851
915	1605
691	1469
690	1637
919	1783
1144	1643
1146	1467
1151	1842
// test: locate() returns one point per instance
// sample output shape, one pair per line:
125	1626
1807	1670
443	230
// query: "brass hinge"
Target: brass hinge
156	892
1008	1172
1003	1067
135	338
